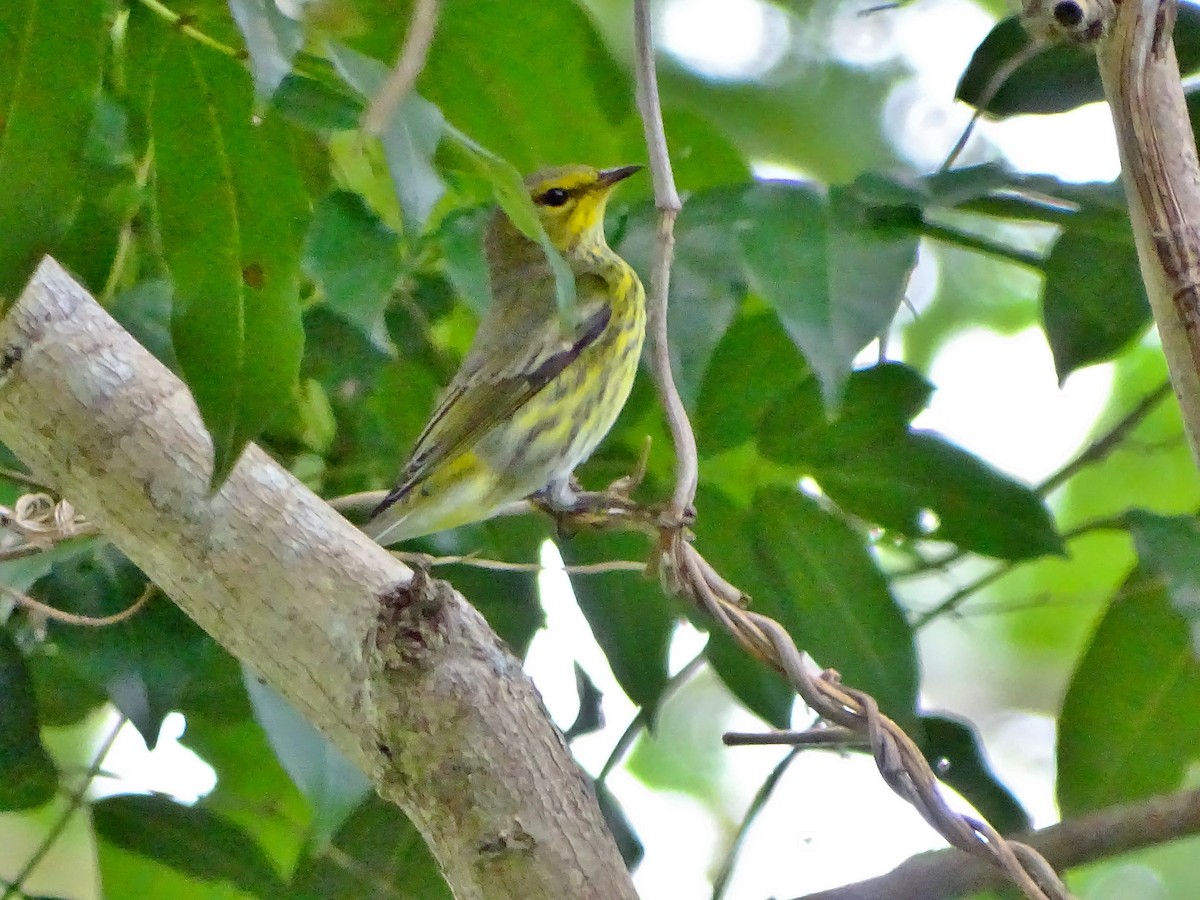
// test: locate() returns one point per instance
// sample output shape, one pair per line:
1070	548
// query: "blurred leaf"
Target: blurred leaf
145	312
377	852
754	362
834	276
411	136
707	281
53	52
1169	546
489	69
590	717
466	265
30	776
1128	727
144	663
1061	77
630	617
879	404
189	839
272	39
619	827
331	783
231	213
1093	302
316	104
356	260
953	749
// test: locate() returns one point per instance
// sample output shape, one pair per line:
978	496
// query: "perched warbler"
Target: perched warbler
532	400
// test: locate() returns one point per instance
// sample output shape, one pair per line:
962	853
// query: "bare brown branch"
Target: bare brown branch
407	69
1109	832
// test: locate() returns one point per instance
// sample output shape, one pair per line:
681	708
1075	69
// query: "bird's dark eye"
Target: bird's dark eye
553	197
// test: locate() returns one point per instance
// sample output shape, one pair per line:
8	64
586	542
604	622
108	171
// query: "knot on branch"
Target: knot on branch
1068	21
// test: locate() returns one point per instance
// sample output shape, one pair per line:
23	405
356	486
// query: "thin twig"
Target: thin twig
186	28
666	199
407	70
58	615
74	801
947	235
25	478
810	737
638	723
499	565
1109	441
1001	75
757	805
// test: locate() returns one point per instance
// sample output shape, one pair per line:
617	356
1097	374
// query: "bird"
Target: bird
532	399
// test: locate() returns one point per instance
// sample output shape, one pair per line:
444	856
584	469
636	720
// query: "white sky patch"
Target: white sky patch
727	39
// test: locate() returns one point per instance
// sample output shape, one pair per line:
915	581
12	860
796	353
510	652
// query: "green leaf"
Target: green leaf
619	827
833	274
630	617
726	539
1128	727
231	215
1061	77
272	39
590	717
490	67
53	52
1169	546
977	507
30	776
1093	302
953	749
189	839
707	280
316	105
466	265
331	783
754	362
145	312
355	258
410	138
836	603
145	663
378	848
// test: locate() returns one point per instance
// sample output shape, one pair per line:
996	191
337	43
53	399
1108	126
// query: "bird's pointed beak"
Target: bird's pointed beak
609	177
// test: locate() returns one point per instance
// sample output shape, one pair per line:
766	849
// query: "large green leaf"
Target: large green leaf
531	81
1128	727
377	852
834	275
53	52
231	214
145	663
871	463
630	617
1061	77
837	605
754	362
187	838
30	776
1093	302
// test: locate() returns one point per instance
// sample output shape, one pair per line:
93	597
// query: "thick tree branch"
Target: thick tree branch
952	873
395	668
1162	180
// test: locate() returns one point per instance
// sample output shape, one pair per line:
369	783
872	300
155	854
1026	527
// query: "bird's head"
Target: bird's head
570	201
